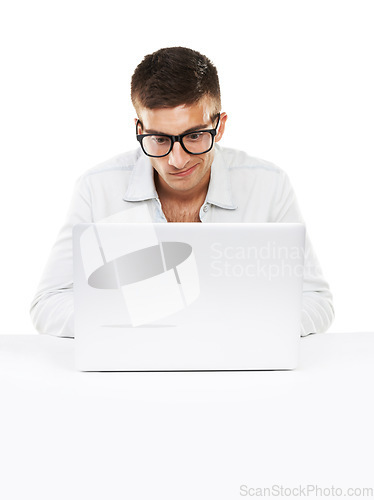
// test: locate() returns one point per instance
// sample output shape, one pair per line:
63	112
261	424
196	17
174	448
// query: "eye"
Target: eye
195	136
159	140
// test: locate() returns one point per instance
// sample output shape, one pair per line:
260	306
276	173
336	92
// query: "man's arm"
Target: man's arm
317	311
52	308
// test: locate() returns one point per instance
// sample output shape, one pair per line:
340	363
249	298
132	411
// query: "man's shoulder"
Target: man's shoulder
237	160
123	162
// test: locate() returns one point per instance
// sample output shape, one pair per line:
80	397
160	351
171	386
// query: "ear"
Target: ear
138	128
221	127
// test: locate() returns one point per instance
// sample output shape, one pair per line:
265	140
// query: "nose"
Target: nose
178	157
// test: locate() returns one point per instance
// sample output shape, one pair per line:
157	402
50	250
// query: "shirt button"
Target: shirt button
205	208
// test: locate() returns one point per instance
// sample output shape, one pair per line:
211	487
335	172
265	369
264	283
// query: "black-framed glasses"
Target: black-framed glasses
194	143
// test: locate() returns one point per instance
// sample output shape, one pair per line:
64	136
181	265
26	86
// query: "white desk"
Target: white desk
183	435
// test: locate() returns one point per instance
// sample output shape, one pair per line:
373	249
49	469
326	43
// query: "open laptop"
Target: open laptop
187	296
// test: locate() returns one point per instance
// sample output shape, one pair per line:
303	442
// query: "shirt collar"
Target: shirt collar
220	190
142	187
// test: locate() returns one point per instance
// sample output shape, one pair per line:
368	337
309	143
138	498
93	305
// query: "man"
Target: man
178	174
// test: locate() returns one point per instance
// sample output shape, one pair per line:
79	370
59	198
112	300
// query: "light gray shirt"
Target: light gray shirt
241	189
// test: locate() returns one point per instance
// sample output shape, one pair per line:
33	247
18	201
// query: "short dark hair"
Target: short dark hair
174	76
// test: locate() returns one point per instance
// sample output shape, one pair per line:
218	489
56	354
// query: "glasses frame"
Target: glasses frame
177	138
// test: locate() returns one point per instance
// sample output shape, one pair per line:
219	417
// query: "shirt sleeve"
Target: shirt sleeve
317	310
52	309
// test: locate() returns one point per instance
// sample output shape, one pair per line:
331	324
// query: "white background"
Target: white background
297	83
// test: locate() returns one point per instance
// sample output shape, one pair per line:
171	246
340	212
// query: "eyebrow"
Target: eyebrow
192	129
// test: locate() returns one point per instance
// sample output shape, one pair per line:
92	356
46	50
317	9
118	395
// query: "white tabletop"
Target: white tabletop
181	435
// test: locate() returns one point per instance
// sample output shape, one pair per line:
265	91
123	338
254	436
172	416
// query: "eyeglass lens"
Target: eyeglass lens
158	145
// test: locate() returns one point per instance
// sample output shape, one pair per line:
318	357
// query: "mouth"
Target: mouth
184	173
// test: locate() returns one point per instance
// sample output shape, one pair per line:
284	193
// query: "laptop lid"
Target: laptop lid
187	296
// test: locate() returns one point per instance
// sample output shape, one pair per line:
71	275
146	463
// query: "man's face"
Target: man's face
180	172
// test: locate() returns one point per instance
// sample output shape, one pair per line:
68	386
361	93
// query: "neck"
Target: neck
190	196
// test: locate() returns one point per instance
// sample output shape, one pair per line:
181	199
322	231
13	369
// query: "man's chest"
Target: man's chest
181	213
